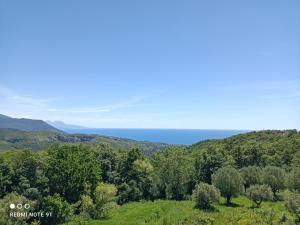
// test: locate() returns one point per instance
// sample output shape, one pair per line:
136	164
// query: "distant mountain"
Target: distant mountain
26	124
65	127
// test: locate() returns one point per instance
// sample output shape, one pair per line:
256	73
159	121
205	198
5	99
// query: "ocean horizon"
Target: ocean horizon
168	136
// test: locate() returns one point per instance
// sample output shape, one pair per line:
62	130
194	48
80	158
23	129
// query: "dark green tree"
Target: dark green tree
72	170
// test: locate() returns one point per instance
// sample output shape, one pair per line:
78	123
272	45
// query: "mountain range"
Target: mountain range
26	124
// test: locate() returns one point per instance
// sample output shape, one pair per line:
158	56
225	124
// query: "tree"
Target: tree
207	163
14	198
292	203
229	182
251	175
28	170
109	160
293	181
5	177
205	194
259	193
275	178
175	171
61	211
72	170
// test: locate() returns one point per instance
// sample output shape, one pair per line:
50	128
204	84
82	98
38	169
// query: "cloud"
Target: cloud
17	105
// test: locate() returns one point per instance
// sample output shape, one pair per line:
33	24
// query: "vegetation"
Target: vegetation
96	183
229	182
259	193
11	139
205	194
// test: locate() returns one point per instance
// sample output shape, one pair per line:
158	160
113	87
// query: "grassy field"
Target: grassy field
164	212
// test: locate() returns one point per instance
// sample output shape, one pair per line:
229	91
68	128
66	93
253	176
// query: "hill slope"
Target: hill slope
26	124
11	139
269	147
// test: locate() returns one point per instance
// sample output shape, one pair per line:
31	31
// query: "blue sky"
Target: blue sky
152	64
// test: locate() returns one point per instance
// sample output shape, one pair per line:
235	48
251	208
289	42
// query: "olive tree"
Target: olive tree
259	193
251	175
275	178
205	194
229	182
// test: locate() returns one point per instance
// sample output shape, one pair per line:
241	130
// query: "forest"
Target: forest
251	178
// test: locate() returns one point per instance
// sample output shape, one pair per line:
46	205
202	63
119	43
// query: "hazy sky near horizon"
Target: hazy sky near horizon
152	64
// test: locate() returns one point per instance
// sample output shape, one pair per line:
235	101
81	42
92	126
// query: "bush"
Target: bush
205	194
61	210
104	197
292	203
229	182
259	193
275	178
87	207
103	201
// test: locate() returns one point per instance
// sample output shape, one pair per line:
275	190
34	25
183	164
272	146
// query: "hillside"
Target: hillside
270	147
11	139
26	124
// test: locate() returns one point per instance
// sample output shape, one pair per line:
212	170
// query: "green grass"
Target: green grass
164	212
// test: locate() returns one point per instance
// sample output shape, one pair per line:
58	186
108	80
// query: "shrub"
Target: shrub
259	193
104	196
229	182
275	178
87	207
292	203
61	210
103	201
205	194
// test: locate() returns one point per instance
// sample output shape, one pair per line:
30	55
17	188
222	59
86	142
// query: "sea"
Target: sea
168	136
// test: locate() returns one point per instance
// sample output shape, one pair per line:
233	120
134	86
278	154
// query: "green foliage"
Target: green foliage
99	208
251	175
275	178
14	198
293	181
259	193
174	169
104	196
208	162
5	177
109	160
292	203
270	147
71	169
61	210
29	178
205	194
229	182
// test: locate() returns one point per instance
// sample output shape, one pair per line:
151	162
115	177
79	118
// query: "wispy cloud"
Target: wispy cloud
18	105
